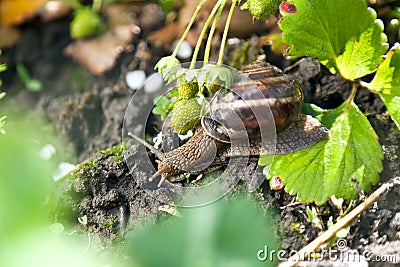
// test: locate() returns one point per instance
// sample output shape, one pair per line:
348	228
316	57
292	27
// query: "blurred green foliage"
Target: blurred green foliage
221	234
32	85
2	118
3	67
24	178
87	22
27	237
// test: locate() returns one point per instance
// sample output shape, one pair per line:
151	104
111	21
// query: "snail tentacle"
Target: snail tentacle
157	152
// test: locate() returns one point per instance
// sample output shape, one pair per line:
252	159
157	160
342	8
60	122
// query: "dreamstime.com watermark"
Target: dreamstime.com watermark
340	253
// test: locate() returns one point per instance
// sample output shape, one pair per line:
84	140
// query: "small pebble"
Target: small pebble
47	151
135	79
154	83
233	41
185	51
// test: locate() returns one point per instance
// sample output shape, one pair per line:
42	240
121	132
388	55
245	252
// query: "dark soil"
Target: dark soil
88	113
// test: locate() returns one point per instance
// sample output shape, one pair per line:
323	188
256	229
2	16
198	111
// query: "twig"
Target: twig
346	220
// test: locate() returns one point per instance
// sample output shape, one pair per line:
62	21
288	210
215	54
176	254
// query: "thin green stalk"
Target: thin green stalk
96	5
354	87
225	35
203	32
74	3
188	27
211	34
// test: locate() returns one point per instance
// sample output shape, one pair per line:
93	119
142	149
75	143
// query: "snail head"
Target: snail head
165	169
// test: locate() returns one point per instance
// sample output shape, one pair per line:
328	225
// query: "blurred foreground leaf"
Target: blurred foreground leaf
24	178
27	237
220	234
41	248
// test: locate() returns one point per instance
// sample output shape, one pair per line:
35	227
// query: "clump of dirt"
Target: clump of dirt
103	192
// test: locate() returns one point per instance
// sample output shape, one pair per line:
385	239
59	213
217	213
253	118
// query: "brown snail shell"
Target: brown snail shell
266	89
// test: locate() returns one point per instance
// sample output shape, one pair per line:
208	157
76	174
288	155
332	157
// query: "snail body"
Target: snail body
243	121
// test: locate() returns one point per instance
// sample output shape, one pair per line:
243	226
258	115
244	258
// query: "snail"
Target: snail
240	116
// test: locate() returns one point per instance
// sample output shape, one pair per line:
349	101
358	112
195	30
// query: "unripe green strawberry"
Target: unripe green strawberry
86	23
263	9
187	90
185	115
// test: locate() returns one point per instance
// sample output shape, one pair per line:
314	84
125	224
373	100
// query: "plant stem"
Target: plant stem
188	27
203	32
74	3
96	5
223	41
354	87
23	73
211	34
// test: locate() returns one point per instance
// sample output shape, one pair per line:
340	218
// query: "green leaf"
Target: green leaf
162	106
387	83
161	101
215	74
168	67
343	34
387	78
326	169
166	5
392	104
233	233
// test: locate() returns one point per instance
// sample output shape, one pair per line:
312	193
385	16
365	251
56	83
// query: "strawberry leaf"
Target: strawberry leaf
327	168
343	34
387	78
387	83
392	104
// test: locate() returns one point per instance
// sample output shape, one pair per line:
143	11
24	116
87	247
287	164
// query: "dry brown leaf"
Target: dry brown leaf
121	14
14	12
8	36
165	36
99	54
170	32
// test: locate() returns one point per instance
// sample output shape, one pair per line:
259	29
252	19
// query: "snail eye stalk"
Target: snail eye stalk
157	152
